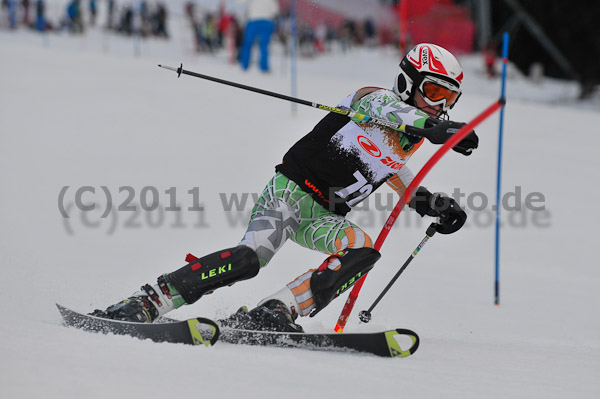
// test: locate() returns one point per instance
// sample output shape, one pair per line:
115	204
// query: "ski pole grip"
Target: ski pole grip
431	229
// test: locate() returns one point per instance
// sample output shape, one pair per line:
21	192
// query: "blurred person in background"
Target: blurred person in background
260	26
93	12
74	20
489	59
11	7
160	21
110	14
25	5
40	16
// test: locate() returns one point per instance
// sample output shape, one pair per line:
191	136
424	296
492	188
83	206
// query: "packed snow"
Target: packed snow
86	112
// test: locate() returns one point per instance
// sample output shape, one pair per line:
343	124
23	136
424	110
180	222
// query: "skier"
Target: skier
322	177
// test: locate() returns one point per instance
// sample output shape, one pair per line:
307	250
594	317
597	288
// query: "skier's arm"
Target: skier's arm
450	215
400	181
446	129
384	104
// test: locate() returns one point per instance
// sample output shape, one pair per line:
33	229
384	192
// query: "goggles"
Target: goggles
437	91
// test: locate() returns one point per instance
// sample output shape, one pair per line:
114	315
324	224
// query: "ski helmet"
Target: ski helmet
434	72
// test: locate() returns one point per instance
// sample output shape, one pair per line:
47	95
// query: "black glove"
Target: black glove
451	216
468	144
438	132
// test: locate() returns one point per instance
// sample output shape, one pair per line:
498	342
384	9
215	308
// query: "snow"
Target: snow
86	112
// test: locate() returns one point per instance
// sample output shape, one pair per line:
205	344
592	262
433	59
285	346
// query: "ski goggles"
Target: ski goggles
437	91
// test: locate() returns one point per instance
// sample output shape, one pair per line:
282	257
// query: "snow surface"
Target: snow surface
85	112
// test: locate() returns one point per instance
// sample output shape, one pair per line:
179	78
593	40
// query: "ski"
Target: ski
382	343
198	331
202	331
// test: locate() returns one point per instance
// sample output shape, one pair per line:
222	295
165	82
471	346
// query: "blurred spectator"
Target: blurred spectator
386	36
145	19
203	27
370	32
283	31
208	34
93	12
160	21
320	37
261	14
40	16
25	4
126	22
489	58
190	14
345	36
74	18
236	33
110	14
331	36
307	42
11	6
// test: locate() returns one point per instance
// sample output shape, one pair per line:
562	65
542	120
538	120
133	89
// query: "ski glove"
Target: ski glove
468	144
451	216
438	132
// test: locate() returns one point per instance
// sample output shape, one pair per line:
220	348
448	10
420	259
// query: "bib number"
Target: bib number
356	192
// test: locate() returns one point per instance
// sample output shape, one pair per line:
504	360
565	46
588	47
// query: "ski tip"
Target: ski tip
394	346
62	310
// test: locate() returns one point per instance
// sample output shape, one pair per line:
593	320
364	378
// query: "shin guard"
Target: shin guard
327	283
214	271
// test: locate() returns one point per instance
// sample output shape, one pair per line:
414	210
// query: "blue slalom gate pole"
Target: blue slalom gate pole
499	171
294	36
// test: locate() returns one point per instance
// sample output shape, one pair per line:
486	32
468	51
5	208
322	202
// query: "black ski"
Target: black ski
202	331
198	331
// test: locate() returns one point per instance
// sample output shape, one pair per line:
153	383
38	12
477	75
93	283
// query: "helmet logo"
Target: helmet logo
426	58
424	55
369	146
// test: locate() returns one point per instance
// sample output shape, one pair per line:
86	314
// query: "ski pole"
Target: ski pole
437	134
365	315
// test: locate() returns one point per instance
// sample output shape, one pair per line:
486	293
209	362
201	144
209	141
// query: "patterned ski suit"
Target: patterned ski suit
325	174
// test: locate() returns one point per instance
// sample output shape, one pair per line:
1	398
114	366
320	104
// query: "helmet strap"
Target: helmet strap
414	75
411	71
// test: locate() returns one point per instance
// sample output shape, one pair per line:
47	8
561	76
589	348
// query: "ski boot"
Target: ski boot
137	309
144	306
272	315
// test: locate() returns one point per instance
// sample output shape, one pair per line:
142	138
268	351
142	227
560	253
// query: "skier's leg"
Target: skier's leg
186	285
247	44
272	222
351	257
276	217
266	30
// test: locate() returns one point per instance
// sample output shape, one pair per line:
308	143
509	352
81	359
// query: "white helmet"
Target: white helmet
432	70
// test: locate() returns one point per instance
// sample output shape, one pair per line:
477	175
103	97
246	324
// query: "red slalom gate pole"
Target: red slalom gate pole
455	139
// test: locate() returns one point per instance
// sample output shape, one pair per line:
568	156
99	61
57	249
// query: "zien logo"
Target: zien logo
369	146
